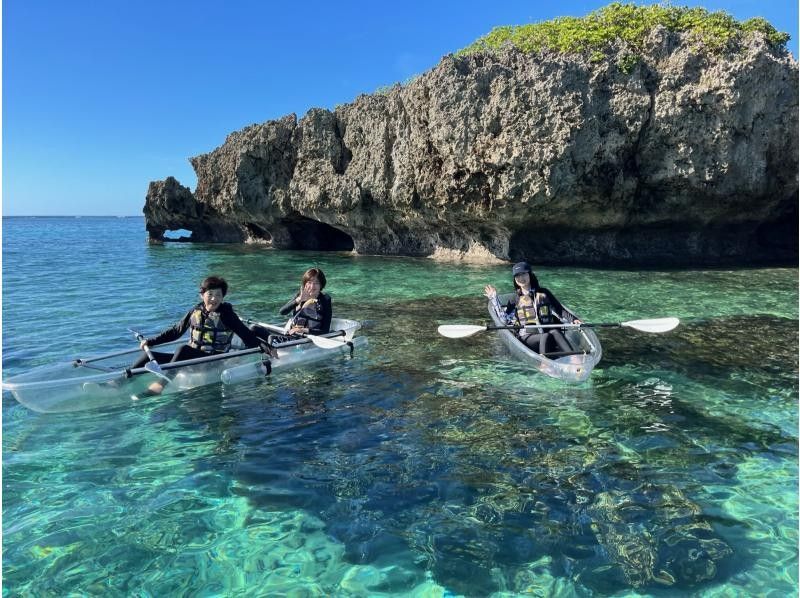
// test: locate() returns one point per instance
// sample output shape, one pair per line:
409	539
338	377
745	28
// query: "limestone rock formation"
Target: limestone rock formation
689	157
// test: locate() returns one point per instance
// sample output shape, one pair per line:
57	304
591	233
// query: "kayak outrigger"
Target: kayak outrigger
107	380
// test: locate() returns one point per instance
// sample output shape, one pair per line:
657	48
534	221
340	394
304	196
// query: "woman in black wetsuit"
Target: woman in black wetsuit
533	305
311	310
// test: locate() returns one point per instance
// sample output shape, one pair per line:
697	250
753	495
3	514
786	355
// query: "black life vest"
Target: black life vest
310	314
208	333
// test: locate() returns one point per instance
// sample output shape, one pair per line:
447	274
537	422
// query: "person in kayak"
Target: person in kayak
532	305
212	324
311	310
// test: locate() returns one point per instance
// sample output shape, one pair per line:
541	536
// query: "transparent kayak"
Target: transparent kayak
574	367
107	380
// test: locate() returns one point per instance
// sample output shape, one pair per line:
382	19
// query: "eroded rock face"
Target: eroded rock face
689	158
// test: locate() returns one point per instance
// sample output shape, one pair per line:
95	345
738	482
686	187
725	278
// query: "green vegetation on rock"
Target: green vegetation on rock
629	23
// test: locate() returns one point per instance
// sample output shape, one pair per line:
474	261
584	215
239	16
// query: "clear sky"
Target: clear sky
100	98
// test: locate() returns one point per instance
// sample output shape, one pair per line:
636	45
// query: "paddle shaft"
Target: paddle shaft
282	330
535	326
325	341
655	326
311	337
140	337
148	352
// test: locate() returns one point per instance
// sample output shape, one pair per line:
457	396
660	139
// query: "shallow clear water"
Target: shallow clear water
422	467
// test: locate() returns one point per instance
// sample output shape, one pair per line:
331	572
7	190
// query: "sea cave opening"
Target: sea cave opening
310	234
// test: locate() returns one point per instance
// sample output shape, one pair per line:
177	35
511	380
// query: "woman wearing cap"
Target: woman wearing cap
533	305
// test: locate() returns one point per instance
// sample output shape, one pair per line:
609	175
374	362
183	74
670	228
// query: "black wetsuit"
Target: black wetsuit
549	311
315	315
228	318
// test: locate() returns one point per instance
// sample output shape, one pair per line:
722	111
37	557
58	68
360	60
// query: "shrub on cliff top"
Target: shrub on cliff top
628	22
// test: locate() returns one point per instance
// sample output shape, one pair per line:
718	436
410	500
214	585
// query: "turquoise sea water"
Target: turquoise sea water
422	467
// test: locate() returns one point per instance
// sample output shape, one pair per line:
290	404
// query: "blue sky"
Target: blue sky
100	98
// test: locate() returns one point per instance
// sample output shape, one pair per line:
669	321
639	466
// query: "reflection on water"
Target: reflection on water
422	467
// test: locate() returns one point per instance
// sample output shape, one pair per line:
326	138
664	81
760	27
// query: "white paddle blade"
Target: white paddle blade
459	330
657	325
326	343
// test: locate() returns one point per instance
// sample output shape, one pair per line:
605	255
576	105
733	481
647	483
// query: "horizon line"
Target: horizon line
72	216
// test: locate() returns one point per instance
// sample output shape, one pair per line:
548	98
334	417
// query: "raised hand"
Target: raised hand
305	294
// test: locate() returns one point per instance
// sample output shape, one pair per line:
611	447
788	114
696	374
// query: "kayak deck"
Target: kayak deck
106	381
574	367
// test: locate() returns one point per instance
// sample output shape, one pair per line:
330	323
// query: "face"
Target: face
313	287
523	280
212	299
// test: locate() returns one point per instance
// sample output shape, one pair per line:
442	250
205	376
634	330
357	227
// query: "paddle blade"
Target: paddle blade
154	368
324	342
657	325
459	330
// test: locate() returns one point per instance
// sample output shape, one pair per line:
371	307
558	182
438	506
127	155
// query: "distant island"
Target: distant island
633	136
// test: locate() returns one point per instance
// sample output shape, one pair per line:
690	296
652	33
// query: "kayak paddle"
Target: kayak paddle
657	325
151	366
324	342
329	341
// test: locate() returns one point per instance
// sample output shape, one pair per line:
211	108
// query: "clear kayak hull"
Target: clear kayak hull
569	368
106	381
287	358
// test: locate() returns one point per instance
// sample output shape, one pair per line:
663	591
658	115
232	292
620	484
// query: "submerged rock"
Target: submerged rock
687	157
656	536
